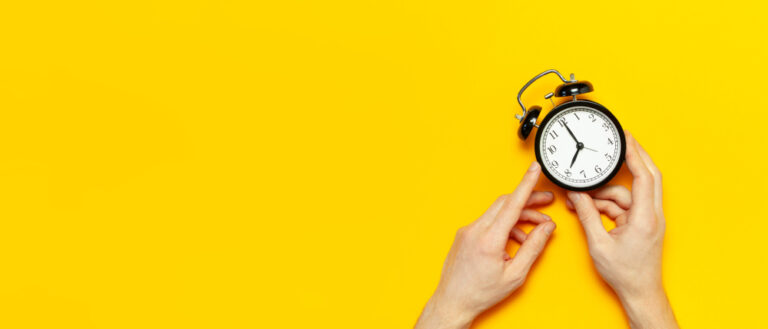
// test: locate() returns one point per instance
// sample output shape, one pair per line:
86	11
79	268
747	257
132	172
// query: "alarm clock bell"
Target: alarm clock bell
570	88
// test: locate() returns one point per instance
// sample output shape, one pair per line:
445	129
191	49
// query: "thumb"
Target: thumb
588	214
531	248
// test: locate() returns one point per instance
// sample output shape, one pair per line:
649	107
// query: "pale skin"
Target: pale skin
478	273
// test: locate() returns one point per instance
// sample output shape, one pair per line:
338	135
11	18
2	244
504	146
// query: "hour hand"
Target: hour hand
574	156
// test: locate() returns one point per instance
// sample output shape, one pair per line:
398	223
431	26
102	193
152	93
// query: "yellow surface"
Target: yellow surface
238	164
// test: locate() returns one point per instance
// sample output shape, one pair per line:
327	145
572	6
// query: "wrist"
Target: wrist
445	315
648	309
641	295
643	300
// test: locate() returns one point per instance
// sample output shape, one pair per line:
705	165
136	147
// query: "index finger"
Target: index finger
513	205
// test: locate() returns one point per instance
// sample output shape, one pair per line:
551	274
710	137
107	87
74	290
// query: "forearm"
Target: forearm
437	315
649	311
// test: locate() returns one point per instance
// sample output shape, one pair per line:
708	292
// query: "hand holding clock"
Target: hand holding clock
629	256
478	273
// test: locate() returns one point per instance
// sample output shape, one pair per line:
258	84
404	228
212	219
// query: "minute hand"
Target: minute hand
571	133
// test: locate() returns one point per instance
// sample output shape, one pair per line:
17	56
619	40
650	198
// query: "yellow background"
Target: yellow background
239	164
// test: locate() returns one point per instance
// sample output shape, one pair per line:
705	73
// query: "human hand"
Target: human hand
478	272
629	256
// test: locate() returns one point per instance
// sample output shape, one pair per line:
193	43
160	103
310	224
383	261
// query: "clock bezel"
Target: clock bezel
567	105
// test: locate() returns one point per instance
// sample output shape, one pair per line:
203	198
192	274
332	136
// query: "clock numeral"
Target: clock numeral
576	115
552	149
610	141
553	134
562	122
554	164
598	169
606	126
592	117
583	173
608	157
567	173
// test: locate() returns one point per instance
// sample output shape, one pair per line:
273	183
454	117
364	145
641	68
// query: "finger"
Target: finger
657	196
616	193
539	198
533	216
642	184
530	250
518	235
620	220
493	210
510	210
588	215
610	208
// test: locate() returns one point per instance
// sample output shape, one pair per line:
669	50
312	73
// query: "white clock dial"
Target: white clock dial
580	147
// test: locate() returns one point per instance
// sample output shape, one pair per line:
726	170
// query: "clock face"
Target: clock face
580	145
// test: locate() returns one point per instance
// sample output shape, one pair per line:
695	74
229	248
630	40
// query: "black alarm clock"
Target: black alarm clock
580	144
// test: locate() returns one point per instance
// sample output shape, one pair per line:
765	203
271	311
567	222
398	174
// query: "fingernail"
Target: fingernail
550	226
534	166
573	196
547	217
